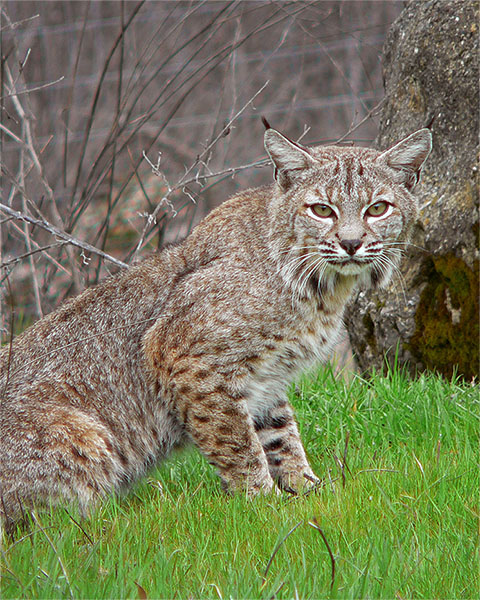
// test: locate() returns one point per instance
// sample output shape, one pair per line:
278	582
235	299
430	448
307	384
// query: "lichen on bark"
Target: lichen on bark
447	332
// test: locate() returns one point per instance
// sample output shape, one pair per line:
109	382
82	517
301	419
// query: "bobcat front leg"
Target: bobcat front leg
218	422
278	434
187	378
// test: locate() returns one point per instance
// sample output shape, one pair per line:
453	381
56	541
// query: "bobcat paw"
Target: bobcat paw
267	486
303	483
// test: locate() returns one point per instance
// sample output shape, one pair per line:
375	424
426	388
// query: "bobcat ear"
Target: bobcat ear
408	156
287	156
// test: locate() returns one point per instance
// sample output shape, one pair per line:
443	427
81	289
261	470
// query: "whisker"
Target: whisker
306	275
386	262
304	261
296	248
320	262
299	281
305	269
320	277
400	243
295	263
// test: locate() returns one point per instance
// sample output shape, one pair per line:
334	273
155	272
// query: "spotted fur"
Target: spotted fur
200	342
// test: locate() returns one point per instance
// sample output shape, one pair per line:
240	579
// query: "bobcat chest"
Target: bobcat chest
280	366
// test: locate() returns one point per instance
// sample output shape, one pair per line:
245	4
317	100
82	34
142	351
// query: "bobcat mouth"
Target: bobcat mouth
351	265
348	261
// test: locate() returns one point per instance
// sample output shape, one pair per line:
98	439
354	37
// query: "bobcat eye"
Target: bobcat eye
378	209
322	210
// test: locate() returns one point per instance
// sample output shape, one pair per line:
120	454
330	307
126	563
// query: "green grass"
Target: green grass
399	511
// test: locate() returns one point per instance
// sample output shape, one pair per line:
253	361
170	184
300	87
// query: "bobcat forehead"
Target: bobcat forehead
347	179
200	343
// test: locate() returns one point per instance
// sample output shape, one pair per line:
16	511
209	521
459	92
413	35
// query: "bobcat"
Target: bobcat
200	342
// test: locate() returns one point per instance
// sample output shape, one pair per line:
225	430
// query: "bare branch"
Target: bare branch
50	258
183	181
61	234
32	89
13	261
27	129
17	23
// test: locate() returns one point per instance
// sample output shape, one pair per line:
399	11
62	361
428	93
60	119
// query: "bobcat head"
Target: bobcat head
343	211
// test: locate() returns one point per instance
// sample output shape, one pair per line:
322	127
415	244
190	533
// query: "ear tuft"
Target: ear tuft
408	156
266	124
287	156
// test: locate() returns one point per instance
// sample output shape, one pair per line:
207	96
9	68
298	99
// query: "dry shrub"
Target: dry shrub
89	88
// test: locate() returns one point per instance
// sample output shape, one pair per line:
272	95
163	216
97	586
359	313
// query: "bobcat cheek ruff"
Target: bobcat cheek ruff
200	342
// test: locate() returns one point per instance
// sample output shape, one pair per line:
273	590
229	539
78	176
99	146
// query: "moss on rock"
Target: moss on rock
446	336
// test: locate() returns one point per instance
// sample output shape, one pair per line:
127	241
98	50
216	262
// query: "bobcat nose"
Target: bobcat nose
350	246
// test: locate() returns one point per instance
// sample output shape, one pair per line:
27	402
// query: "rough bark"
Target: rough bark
429	317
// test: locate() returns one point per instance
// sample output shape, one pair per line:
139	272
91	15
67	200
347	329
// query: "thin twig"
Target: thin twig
12	261
29	141
16	23
93	183
103	230
373	111
61	234
217	59
314	523
15	93
26	233
377	471
93	108
10	347
183	181
198	179
50	258
68	106
277	548
11	134
80	527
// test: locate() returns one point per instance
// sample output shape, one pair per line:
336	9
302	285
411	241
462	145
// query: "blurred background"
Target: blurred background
95	94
